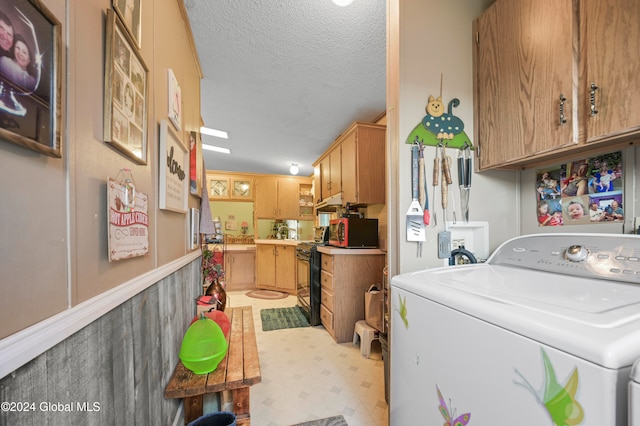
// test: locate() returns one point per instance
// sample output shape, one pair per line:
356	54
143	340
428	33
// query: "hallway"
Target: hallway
307	376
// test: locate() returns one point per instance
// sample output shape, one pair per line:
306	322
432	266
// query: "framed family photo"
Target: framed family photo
129	12
125	93
30	81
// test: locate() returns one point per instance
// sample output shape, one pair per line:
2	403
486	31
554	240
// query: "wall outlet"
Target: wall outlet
457	243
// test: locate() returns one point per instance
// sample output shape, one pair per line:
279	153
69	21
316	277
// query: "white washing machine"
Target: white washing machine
634	395
544	333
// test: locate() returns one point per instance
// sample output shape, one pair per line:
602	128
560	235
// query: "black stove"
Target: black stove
308	280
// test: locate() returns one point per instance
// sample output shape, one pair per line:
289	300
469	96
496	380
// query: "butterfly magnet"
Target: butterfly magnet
450	414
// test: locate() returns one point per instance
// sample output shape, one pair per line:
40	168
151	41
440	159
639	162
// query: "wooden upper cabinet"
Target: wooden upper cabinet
354	165
278	198
611	38
229	187
525	62
266	193
530	52
288	198
331	173
363	164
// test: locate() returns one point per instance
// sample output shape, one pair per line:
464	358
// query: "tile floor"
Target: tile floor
306	375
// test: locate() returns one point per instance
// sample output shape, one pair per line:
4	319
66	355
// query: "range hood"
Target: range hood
330	204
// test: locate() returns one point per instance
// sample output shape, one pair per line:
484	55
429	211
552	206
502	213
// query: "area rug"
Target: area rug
266	294
279	318
329	421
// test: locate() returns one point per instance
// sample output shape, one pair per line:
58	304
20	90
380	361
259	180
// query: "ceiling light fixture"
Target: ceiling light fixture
214	132
216	148
294	169
342	2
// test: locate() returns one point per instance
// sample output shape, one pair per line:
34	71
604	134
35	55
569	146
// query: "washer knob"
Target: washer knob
576	253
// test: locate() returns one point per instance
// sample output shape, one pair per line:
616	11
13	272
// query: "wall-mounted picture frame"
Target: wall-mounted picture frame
30	84
130	13
175	100
173	167
195	158
125	93
194	228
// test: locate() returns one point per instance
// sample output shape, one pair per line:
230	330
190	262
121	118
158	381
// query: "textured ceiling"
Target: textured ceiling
286	77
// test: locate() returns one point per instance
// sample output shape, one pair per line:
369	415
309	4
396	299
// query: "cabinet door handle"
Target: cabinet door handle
563	120
592	99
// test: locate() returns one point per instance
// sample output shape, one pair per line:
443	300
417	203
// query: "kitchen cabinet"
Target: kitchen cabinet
363	164
611	41
277	198
534	62
331	173
229	187
354	165
276	267
305	201
523	62
344	279
240	270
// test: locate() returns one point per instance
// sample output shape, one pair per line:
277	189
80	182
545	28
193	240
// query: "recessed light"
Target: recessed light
342	2
216	148
214	132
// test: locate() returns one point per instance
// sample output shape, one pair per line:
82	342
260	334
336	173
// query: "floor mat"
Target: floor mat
266	294
330	421
279	318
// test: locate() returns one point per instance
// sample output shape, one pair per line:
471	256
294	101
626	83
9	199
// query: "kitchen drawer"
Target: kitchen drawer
326	298
326	280
327	263
326	317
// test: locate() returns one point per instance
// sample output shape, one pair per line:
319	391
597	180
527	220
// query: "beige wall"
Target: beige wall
435	39
53	217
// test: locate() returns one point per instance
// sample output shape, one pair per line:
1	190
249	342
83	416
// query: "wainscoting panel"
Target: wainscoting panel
114	370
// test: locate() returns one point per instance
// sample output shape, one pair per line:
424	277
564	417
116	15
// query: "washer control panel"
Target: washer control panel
606	256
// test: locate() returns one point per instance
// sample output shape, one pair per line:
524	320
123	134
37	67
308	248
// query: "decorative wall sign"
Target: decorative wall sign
129	12
440	126
582	192
125	93
128	221
175	101
173	166
194	228
30	85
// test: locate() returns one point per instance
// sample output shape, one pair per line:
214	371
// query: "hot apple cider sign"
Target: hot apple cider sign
128	221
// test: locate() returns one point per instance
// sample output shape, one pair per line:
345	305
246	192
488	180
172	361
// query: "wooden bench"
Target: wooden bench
235	373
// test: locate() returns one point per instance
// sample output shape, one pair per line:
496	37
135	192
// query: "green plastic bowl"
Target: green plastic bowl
203	346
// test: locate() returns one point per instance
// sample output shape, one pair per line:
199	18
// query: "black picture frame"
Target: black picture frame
30	84
125	93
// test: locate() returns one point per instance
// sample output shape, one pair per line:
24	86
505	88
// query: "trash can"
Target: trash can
215	419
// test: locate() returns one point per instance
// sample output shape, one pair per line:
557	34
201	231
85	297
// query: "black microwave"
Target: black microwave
353	232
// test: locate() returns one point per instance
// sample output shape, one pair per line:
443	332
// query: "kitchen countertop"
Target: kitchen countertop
240	247
281	242
348	251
